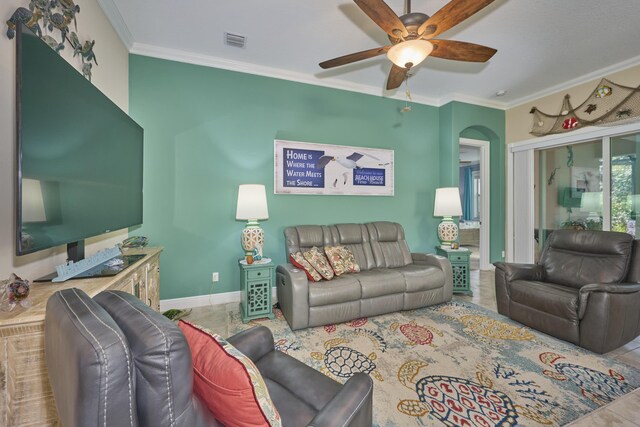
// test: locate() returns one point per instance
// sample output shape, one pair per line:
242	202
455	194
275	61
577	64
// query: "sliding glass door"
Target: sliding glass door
569	184
625	184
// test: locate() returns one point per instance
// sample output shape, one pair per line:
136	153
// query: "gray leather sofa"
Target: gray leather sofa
113	361
585	289
392	278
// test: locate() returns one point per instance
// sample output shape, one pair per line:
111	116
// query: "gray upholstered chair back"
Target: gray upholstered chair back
576	258
90	366
634	266
113	361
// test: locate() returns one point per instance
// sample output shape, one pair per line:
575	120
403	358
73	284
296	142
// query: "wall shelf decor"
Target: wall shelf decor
609	104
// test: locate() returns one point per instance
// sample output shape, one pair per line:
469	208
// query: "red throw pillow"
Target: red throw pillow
297	260
227	381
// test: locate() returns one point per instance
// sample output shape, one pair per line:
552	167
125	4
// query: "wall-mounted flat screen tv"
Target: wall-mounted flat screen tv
79	165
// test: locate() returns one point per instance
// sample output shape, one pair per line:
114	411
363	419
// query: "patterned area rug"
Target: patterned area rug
458	364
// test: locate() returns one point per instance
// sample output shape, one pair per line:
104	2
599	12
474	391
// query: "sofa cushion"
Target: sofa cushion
161	358
356	238
420	277
380	282
297	260
334	256
319	262
349	260
634	265
389	247
341	289
557	300
227	381
577	259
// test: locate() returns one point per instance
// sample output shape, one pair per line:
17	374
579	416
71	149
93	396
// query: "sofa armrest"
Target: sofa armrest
508	272
514	271
610	288
293	295
609	315
352	406
440	262
255	343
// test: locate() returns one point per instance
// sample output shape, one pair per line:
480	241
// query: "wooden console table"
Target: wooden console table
26	398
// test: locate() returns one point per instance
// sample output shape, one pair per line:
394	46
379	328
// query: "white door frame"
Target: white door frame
581	135
485	199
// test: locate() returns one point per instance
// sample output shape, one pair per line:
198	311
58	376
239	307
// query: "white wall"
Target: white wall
111	77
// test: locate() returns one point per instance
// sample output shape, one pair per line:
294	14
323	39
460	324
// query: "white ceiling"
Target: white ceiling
542	45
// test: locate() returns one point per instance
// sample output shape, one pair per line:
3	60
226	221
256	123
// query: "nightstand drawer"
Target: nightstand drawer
257	274
460	258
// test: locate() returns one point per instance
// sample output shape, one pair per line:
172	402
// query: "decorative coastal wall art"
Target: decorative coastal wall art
309	168
50	20
609	104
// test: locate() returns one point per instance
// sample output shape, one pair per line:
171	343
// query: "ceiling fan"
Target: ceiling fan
412	37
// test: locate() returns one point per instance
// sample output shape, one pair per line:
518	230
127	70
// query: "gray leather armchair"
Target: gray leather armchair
585	289
113	361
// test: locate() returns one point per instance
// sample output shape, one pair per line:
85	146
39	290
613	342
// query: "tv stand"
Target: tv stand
25	393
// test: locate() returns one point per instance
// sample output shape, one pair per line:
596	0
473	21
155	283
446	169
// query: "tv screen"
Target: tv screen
79	155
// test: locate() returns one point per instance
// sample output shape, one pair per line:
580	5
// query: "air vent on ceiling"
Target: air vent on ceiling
234	40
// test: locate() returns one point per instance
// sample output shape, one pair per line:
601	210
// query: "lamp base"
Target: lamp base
253	239
447	231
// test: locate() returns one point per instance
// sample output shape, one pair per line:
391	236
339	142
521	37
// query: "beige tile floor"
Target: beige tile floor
623	412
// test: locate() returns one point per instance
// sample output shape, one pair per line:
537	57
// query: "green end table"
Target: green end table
256	281
459	259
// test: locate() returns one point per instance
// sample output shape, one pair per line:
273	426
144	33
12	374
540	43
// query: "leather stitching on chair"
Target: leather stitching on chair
364	397
101	350
166	355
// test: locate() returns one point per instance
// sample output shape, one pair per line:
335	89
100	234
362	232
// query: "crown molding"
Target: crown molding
595	75
113	15
459	97
260	70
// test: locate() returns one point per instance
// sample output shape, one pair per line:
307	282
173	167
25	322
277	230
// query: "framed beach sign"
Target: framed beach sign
309	168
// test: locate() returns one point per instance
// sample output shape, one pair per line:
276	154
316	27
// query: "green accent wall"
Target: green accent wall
209	130
460	120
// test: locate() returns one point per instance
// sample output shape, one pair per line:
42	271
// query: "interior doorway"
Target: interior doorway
475	197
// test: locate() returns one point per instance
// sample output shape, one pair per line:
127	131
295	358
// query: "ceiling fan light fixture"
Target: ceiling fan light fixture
410	53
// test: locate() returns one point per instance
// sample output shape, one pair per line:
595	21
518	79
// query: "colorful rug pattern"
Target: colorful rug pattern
457	364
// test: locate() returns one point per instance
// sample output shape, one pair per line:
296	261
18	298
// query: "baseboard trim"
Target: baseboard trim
204	300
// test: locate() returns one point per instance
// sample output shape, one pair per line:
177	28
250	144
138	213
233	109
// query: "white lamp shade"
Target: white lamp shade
591	201
447	202
410	52
252	202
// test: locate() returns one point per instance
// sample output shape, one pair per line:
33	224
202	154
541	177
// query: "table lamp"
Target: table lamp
252	206
592	202
447	205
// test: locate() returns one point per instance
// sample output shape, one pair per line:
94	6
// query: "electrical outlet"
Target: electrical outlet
502	254
215	277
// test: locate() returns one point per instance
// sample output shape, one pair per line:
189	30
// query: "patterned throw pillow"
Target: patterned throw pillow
297	259
334	255
318	261
349	260
227	381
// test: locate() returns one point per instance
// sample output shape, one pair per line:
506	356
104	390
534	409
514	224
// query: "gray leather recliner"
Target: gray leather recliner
113	361
585	289
391	278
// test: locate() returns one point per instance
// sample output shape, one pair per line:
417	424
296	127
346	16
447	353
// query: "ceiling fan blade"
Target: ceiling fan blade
452	14
354	57
396	76
382	15
461	51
